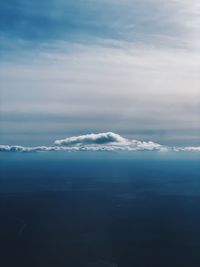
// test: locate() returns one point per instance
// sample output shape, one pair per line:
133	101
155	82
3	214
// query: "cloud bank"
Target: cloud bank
99	142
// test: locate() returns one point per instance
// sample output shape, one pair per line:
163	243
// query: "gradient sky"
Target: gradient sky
74	67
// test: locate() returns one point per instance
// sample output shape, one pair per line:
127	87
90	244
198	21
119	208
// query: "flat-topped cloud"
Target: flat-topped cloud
108	141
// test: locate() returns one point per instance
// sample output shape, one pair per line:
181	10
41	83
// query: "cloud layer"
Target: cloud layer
98	142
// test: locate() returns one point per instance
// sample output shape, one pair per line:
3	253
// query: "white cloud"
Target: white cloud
99	139
99	142
187	148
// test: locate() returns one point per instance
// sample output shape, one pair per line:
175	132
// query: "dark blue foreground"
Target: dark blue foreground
99	209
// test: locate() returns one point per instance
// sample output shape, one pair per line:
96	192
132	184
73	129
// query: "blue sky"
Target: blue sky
75	67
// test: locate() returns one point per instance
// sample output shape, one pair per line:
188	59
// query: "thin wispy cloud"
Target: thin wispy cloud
131	19
128	87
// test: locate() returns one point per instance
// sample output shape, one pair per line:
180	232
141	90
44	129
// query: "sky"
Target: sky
71	68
